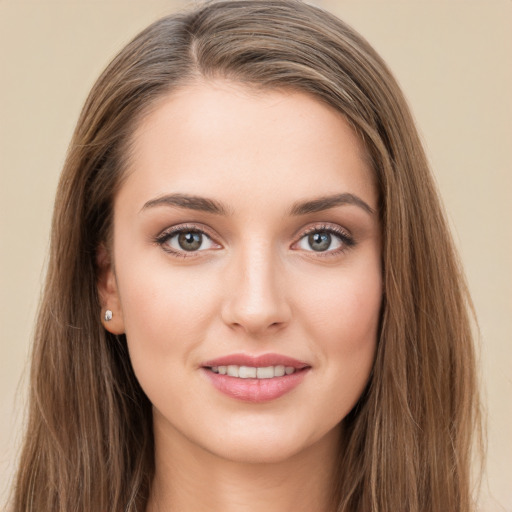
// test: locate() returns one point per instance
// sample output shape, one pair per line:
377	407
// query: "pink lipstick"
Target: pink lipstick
255	378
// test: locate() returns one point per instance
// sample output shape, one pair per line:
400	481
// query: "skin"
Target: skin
256	286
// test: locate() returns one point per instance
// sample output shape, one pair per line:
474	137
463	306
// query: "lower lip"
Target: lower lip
256	390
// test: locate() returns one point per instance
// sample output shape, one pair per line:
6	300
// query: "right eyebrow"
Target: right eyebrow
189	202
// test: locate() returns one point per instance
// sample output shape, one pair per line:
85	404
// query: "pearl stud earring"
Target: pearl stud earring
108	315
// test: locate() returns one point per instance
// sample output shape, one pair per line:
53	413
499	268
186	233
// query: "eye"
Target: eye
183	240
325	240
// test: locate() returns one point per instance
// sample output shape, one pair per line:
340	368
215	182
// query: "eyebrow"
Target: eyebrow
207	205
189	202
327	202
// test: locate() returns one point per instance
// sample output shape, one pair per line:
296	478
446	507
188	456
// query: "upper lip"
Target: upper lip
260	361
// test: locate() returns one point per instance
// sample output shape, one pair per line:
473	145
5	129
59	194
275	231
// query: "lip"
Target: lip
255	390
256	361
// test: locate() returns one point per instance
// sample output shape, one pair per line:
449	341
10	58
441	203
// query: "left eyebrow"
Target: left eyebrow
326	202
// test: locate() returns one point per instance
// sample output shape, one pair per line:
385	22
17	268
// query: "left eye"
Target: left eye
189	241
320	241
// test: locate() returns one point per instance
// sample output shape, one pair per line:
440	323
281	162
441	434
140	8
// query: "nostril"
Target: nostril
255	302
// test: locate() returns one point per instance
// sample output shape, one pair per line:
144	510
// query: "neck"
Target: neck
191	479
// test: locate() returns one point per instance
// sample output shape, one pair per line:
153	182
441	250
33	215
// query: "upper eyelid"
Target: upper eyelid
172	230
323	226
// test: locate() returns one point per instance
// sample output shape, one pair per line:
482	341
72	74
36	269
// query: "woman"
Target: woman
252	299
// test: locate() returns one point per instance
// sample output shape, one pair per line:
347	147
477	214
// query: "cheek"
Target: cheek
166	317
343	321
165	310
346	308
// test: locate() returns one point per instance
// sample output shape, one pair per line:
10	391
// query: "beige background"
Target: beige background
453	59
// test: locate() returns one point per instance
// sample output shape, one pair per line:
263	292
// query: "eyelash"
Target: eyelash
164	237
346	240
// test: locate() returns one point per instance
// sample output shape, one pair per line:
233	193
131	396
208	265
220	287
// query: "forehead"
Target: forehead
217	135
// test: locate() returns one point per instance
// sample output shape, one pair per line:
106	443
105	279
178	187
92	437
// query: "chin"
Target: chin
271	446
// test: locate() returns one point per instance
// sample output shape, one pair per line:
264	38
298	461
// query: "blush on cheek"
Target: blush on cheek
165	315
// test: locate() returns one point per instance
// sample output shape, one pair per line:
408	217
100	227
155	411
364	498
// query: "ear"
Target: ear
108	292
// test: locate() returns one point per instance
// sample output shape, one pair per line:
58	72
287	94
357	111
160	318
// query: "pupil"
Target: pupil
320	241
190	241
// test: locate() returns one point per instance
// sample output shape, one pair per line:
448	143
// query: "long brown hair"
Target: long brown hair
408	442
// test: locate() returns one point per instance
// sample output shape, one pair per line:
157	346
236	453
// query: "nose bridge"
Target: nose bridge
256	297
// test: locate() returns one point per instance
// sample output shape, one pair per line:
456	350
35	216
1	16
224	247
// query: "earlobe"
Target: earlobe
111	310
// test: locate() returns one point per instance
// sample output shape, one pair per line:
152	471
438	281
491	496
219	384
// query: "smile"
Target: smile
252	372
255	378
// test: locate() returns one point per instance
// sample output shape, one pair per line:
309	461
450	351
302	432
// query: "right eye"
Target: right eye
183	240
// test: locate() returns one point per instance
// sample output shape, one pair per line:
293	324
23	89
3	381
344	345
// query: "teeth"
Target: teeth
265	373
250	372
247	372
233	370
279	371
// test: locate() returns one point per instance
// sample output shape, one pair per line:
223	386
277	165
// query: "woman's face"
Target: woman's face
246	242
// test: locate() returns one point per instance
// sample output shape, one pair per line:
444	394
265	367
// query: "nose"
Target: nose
255	294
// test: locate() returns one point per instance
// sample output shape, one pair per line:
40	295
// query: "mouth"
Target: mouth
255	378
253	372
